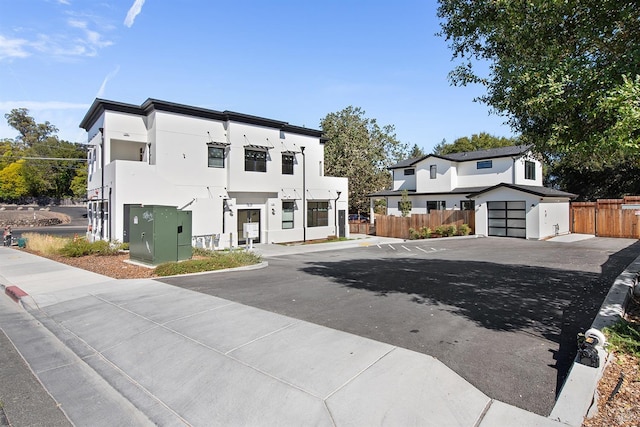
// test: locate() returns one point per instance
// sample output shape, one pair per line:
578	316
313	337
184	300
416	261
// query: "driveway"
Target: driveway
503	313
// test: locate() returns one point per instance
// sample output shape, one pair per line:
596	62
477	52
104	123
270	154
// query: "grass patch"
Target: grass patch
210	261
45	243
624	337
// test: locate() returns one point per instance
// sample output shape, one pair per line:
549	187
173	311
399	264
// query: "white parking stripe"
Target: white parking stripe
392	247
378	245
420	249
406	248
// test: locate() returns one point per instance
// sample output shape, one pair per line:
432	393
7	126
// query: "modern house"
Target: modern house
227	168
502	185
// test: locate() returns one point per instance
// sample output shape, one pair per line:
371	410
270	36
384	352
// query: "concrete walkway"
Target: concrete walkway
140	352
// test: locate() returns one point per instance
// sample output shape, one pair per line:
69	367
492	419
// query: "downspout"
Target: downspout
110	228
102	183
304	196
335	205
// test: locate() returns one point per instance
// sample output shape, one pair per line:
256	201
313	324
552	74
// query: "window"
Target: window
287	214
409	172
287	164
529	170
216	157
467	205
255	161
317	214
433	171
436	205
484	164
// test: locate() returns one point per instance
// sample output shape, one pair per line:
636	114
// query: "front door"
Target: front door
247	216
341	222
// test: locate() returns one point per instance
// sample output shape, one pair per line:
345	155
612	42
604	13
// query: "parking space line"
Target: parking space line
392	247
406	248
420	249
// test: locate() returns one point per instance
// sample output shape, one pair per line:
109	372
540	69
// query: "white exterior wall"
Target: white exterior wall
175	172
519	172
552	213
419	203
470	176
402	181
446	178
506	194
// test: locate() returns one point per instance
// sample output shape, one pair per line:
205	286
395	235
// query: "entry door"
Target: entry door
248	215
507	219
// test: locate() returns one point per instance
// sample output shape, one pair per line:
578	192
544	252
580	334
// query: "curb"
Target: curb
15	293
577	397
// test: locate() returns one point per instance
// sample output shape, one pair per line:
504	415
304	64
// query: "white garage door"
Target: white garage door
508	219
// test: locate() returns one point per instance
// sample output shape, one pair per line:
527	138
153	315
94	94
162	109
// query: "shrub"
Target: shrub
464	230
213	261
441	230
81	247
425	232
44	243
414	234
452	230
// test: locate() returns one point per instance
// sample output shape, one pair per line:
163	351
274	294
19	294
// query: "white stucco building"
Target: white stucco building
227	168
502	185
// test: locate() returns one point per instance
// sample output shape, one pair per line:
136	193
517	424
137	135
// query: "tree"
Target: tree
12	183
79	183
359	149
48	164
481	141
556	69
416	152
405	203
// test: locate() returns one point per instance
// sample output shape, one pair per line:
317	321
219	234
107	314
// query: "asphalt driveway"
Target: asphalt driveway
502	313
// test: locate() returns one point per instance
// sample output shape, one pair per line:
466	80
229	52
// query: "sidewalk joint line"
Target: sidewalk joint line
483	413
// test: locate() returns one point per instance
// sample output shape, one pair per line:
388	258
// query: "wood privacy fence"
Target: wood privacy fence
607	217
397	226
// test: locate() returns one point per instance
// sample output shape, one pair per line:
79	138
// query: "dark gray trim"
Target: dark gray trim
531	189
493	153
99	106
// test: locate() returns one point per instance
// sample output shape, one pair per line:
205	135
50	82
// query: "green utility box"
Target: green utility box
159	234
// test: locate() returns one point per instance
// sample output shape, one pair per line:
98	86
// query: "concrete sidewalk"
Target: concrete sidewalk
140	352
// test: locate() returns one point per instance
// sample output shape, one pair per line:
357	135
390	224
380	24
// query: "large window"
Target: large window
287	214
436	205
433	171
216	157
529	170
317	214
255	161
484	164
287	164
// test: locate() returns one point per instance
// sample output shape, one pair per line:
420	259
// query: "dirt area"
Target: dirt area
620	408
31	217
115	266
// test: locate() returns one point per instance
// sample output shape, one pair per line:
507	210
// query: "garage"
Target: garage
507	218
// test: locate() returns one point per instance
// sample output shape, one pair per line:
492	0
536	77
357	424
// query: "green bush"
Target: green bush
441	230
464	230
213	261
414	234
452	230
425	232
81	247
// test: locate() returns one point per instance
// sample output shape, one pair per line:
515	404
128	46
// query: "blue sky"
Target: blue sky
281	59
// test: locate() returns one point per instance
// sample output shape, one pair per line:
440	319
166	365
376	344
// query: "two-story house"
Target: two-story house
502	185
227	168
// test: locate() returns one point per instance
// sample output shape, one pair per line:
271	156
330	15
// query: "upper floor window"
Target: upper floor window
317	214
287	164
409	172
255	160
433	171
484	164
529	170
216	157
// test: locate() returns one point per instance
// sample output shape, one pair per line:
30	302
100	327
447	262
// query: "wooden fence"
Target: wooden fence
397	226
607	217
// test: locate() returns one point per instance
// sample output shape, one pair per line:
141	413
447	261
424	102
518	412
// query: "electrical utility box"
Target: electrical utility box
159	234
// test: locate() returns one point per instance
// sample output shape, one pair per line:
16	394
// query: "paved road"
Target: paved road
503	313
77	226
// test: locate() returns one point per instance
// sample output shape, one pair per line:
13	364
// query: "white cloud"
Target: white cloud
109	76
13	48
135	9
65	2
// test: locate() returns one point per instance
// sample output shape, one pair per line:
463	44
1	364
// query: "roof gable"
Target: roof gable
531	189
492	153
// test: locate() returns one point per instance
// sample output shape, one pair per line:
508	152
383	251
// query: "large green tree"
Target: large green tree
47	165
359	149
563	72
481	141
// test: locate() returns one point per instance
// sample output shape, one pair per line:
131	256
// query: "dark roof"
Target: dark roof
492	153
532	189
99	106
475	191
459	190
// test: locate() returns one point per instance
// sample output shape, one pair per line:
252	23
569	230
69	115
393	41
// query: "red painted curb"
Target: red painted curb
15	293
